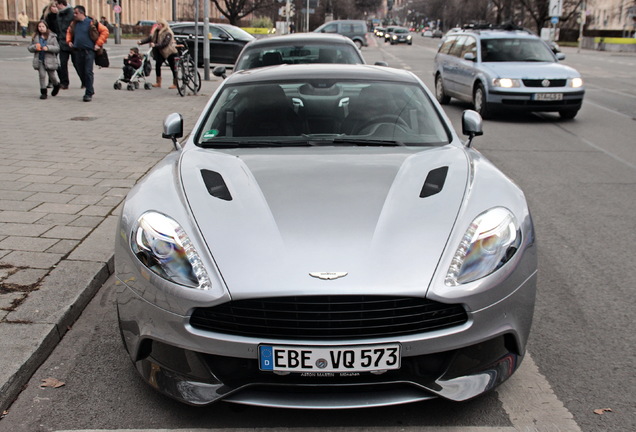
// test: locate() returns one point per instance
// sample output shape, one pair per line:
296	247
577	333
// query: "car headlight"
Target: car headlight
489	242
163	246
506	82
409	37
395	37
576	82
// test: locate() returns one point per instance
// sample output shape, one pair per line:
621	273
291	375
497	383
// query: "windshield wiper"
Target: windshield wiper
369	142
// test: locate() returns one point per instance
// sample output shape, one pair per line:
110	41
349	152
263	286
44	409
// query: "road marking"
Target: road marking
527	398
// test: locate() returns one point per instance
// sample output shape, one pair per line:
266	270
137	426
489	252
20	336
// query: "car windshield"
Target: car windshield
515	50
256	56
238	33
322	112
400	31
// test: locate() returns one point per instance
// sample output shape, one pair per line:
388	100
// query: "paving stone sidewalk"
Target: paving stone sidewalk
66	166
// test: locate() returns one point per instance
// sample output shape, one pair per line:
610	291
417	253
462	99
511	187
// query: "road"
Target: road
579	177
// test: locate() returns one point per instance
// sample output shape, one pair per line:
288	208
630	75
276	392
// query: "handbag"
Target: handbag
101	58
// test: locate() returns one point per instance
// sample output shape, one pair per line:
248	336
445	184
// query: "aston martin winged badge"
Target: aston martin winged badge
328	275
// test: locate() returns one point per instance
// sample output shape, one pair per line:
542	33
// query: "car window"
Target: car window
331	28
515	50
447	45
183	30
238	33
322	112
256	56
470	46
217	32
457	48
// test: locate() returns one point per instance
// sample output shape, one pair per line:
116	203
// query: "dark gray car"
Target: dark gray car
226	41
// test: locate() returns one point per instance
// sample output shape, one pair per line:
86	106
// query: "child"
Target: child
45	46
131	63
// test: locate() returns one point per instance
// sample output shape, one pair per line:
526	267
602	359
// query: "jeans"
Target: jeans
63	69
84	61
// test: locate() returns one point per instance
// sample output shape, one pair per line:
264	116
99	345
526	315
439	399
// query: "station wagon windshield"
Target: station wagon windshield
515	50
322	112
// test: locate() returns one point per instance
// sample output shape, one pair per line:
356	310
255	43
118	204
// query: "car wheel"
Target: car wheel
479	101
568	114
440	95
410	43
358	44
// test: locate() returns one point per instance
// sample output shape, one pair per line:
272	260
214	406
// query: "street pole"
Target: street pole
307	28
287	9
206	42
581	24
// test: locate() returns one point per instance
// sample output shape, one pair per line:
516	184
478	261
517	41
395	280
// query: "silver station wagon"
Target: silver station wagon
508	70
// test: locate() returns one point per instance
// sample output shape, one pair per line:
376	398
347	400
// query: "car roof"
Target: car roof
493	33
321	71
301	38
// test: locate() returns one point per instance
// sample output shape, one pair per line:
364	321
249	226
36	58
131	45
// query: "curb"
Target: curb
37	326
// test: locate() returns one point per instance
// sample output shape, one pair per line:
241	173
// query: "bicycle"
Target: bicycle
188	76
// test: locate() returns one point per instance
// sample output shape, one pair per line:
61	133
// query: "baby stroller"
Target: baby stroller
138	75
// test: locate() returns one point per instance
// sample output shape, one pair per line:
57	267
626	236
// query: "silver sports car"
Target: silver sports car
324	239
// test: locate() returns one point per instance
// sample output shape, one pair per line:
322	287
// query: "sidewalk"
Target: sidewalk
66	167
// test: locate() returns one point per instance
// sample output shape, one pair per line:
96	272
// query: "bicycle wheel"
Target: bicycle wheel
194	78
182	78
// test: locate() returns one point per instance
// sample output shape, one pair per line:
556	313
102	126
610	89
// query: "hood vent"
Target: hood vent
434	182
215	185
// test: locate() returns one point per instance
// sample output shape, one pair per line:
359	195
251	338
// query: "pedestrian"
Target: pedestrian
164	48
23	20
292	27
85	36
103	21
49	15
45	46
132	63
64	20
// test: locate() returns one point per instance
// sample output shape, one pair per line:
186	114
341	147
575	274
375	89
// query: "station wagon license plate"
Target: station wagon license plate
360	358
548	96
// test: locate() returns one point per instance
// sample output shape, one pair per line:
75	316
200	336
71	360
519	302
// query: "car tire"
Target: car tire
358	44
479	101
568	114
440	94
410	43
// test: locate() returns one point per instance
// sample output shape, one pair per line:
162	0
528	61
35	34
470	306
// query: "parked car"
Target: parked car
356	30
226	41
297	48
309	247
400	35
509	69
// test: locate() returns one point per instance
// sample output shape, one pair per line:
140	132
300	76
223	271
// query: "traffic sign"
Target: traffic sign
117	9
554	20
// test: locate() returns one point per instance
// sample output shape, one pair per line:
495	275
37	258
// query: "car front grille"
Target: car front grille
328	317
539	83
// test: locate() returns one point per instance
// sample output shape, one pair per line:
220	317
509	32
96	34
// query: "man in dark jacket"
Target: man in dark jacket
85	36
64	19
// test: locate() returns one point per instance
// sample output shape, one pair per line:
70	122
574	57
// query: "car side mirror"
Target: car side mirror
470	57
560	56
220	71
173	128
381	63
224	36
471	125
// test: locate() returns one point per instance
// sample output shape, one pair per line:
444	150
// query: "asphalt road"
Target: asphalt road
579	177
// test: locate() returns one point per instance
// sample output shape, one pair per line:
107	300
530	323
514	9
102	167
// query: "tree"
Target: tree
234	10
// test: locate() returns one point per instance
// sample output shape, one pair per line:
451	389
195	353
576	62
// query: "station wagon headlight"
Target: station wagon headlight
506	82
576	82
162	245
490	241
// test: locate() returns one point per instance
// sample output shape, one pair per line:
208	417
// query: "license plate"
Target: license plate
358	358
548	96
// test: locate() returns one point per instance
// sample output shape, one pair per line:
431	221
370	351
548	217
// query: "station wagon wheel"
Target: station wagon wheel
440	95
479	101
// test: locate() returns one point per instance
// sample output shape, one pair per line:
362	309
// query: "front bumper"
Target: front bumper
524	101
199	368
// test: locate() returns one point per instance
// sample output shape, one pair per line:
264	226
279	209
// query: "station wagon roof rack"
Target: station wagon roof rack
509	26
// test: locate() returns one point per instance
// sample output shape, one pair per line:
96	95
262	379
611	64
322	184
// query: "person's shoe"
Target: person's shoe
43	93
56	90
87	98
158	83
174	84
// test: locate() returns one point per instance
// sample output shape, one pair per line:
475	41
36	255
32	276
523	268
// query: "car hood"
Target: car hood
291	212
529	70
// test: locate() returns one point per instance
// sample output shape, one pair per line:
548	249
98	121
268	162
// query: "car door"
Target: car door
445	63
465	72
223	48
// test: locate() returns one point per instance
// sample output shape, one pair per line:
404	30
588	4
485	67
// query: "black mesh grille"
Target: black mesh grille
328	317
539	83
